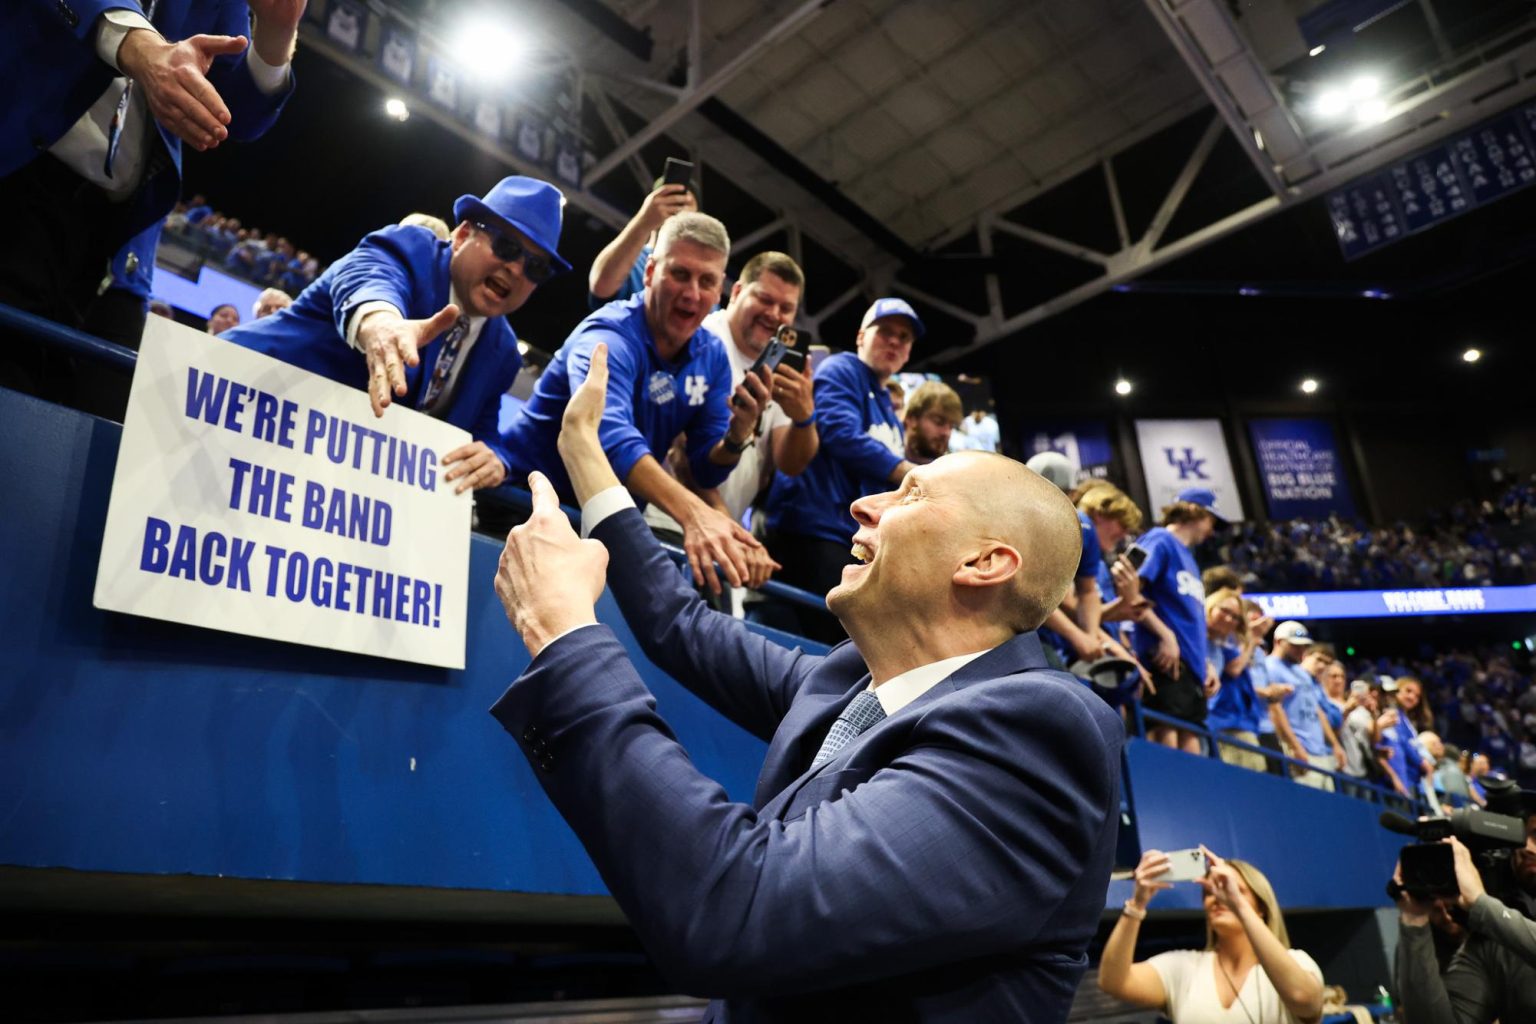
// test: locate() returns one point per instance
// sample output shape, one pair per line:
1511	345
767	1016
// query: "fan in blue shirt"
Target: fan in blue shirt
1171	641
862	453
1305	724
667	376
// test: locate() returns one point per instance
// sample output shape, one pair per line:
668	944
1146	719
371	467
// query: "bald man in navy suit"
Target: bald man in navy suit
935	821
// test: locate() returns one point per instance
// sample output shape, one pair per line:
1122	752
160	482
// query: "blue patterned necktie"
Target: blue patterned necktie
446	357
863	712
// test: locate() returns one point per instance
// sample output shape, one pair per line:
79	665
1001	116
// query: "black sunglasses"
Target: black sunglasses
510	249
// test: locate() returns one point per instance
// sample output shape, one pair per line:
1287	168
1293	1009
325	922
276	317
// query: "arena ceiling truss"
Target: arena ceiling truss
913	144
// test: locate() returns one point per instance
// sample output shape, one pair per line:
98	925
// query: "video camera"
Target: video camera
1492	835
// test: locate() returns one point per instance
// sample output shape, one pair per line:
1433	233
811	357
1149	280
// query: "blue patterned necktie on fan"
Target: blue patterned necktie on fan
115	129
863	712
446	357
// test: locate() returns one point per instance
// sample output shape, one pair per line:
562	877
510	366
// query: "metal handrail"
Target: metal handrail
74	342
1346	785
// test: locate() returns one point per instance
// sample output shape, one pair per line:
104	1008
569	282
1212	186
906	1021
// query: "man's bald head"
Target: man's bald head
1021	508
971	540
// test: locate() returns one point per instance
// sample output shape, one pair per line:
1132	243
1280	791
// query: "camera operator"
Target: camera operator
1493	976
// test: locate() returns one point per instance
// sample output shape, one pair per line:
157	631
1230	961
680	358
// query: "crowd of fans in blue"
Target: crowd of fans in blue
1427	726
1473	544
263	258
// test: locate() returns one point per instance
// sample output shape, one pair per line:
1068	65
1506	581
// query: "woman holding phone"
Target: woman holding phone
1247	973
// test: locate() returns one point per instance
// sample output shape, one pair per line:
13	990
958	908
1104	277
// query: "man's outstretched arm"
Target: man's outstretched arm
744	676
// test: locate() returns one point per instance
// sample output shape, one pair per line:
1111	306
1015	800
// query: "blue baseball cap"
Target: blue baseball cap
892	306
1206	499
532	206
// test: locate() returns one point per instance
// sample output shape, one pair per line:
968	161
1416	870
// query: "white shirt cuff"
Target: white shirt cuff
269	79
602	505
113	29
360	313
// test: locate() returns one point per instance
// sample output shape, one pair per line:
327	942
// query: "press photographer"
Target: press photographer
1493	975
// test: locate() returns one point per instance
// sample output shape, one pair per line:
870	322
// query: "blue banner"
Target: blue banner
1085	443
1382	604
1300	467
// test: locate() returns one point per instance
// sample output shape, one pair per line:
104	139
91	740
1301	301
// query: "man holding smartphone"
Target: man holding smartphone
763	300
618	273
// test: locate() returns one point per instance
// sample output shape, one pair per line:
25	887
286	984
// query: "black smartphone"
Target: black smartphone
772	354
676	172
1136	556
794	359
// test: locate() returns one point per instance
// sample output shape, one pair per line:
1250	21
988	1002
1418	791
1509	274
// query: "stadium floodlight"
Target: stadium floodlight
1472	355
1371	112
1123	387
1331	103
1364	87
1309	386
488	47
395	108
1316	50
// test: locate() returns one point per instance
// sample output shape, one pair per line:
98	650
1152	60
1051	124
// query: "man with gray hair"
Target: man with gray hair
667	376
270	301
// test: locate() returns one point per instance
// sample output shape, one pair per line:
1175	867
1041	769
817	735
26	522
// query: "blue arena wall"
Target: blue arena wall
135	746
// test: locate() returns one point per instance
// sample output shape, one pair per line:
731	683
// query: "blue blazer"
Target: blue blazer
408	268
49	47
949	864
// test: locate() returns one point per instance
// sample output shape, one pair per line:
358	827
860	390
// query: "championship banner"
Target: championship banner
397	52
255	497
1299	464
346	24
1085	443
1179	454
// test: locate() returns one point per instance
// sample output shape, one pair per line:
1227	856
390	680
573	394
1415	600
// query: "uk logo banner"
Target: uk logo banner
1179	454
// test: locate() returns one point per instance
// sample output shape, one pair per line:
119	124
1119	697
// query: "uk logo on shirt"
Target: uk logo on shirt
696	388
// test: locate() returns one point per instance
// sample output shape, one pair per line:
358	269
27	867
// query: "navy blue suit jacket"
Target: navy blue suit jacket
47	48
408	268
949	864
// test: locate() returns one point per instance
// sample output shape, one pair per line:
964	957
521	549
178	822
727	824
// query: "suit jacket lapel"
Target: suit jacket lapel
812	715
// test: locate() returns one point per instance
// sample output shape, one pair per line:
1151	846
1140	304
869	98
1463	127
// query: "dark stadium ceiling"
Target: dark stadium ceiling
1002	161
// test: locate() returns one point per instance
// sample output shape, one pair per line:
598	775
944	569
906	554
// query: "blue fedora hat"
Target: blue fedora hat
528	204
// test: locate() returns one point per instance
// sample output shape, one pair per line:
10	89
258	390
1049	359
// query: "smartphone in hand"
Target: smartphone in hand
1185	866
676	172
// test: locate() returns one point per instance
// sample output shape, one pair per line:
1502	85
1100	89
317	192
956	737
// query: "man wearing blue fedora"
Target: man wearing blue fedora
412	319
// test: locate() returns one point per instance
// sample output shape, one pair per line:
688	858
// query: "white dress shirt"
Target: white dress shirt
83	149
